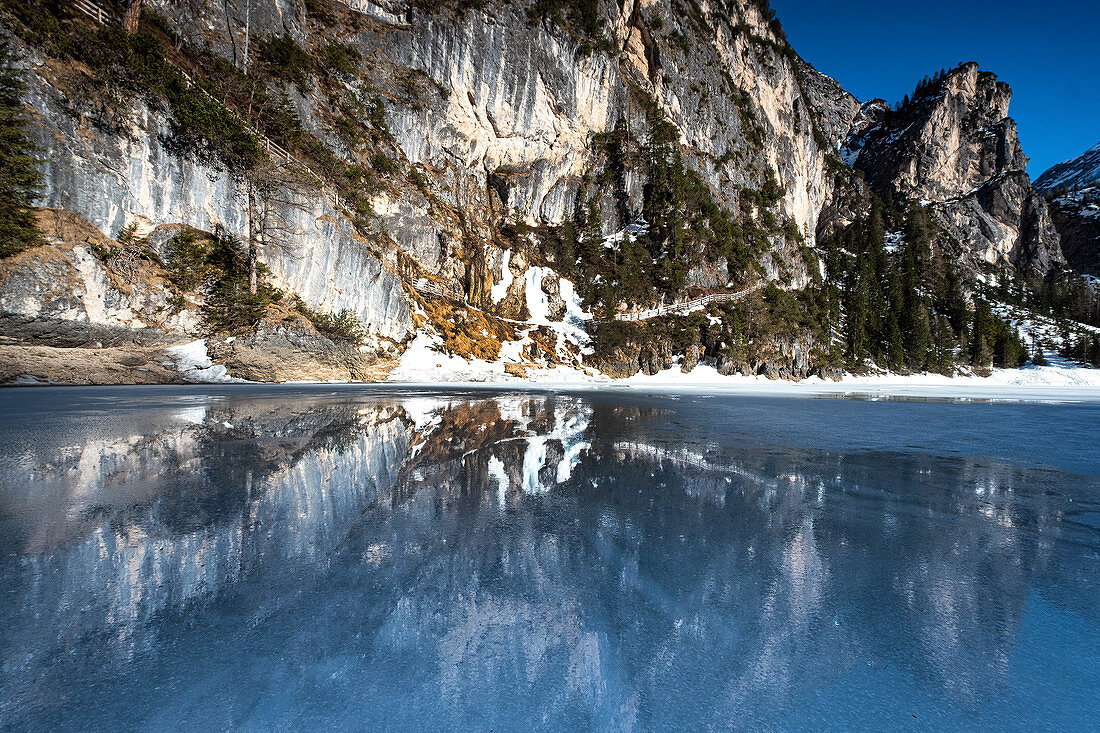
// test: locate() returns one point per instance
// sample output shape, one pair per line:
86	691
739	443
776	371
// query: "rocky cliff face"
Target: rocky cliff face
1073	190
497	110
953	148
77	310
63	295
483	135
129	176
1076	214
502	113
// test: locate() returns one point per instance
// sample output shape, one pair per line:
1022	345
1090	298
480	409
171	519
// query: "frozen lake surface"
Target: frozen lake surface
348	558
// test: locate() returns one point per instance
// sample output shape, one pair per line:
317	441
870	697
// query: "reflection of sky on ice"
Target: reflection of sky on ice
357	559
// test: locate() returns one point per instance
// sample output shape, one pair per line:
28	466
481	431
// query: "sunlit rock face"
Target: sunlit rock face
955	150
499	114
115	179
491	124
962	138
481	92
63	295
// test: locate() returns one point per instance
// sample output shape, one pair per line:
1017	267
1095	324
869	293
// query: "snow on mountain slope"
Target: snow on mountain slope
1080	171
866	123
1076	214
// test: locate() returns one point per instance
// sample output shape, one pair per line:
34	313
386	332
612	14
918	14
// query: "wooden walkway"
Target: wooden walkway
431	287
690	306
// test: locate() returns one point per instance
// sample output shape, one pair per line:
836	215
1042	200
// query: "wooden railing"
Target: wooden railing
431	287
689	306
96	12
271	148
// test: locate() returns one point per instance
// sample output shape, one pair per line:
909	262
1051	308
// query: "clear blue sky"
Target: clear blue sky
1049	52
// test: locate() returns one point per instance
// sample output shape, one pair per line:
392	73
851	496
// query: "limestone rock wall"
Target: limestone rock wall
955	149
113	180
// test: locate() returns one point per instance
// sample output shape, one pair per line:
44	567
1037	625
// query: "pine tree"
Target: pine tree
635	285
1008	350
981	335
895	345
857	307
954	300
907	308
918	335
876	233
567	248
19	175
919	238
586	225
944	347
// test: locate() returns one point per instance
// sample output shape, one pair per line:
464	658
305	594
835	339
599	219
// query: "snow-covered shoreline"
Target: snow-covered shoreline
423	367
1002	385
1034	384
1027	383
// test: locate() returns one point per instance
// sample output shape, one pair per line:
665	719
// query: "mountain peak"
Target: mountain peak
1080	171
949	138
951	145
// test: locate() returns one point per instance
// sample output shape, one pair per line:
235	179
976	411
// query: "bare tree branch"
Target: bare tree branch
274	193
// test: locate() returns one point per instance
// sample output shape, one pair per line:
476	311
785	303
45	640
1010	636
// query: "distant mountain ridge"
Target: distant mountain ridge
1080	171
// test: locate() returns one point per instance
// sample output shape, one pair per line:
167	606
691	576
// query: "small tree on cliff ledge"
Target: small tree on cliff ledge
273	193
19	176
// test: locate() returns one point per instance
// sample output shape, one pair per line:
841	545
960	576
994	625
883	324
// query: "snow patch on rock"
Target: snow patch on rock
499	291
194	364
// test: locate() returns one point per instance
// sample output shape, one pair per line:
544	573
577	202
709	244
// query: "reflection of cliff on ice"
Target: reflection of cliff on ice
137	564
548	432
670	561
693	459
